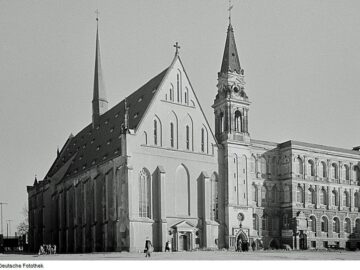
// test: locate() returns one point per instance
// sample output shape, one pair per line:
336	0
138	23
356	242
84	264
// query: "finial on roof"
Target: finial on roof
58	152
229	9
97	12
35	181
177	47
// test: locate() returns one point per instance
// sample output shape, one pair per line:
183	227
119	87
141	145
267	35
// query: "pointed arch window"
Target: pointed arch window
178	86
187	138
186	96
172	135
171	94
144	194
202	140
155	132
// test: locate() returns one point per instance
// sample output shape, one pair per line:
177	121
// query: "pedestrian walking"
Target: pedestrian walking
148	248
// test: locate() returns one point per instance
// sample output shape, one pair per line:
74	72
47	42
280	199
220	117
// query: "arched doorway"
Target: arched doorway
242	242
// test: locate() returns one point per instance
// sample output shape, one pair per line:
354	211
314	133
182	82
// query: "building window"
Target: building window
336	225
178	87
334	198
255	222
346	173
187	137
254	193
356	174
155	132
357	199
253	164
221	122
171	94
186	96
313	224
171	134
144	194
202	140
346	201
238	121
263	195
311	196
324	224
347	225
264	222
299	195
334	171
263	167
323	197
357	225
322	169
311	170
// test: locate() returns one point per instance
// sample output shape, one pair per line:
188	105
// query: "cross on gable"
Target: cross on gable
177	47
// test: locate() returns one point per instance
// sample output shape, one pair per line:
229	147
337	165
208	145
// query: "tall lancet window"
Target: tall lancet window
202	140
238	121
187	138
144	194
178	87
171	134
155	132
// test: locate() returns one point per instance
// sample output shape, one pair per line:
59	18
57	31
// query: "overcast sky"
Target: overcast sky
301	61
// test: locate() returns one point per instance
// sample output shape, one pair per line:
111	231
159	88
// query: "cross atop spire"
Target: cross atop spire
229	9
176	45
97	12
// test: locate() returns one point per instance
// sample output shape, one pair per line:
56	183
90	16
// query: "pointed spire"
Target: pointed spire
35	181
99	103
57	152
230	60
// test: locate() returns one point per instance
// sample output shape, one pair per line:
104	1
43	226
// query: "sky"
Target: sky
301	62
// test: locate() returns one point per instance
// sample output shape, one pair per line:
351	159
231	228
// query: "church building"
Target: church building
151	168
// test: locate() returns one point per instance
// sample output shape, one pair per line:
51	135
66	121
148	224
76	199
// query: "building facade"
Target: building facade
152	168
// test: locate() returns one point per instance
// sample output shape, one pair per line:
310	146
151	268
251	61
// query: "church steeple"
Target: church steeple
231	105
99	102
230	61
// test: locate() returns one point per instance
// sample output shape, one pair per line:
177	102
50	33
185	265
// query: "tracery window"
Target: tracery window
144	193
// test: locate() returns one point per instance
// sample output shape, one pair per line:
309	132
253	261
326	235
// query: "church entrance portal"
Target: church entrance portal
242	243
184	243
302	240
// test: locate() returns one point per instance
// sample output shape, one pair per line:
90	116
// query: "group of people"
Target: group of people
242	246
47	249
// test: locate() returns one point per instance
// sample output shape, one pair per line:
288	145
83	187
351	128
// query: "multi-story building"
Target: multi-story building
151	168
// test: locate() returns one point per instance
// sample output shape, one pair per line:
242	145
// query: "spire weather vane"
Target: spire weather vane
177	48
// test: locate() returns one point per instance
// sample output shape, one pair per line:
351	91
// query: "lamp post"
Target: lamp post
8	227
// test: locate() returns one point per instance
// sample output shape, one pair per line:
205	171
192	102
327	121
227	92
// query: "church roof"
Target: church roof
230	60
98	144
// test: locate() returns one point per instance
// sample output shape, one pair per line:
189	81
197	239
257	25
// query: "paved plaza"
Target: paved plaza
197	255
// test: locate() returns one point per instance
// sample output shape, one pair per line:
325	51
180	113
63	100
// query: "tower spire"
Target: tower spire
99	102
230	61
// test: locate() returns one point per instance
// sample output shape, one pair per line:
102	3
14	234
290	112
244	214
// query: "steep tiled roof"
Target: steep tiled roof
94	145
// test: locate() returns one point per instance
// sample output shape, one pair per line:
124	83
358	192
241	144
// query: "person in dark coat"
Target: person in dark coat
148	248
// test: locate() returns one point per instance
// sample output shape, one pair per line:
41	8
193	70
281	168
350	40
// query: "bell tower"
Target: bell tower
231	105
231	108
